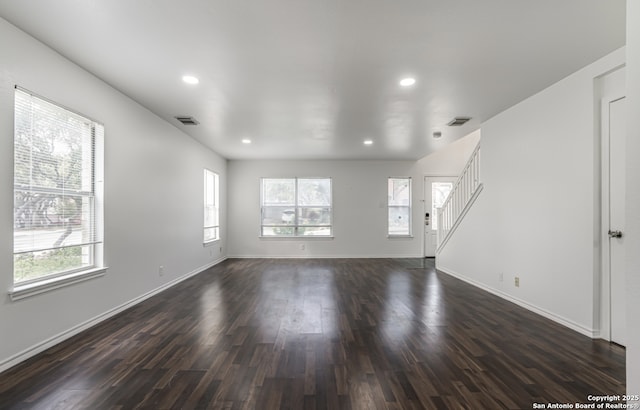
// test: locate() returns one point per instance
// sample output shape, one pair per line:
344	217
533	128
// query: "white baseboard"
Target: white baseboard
309	256
592	333
52	341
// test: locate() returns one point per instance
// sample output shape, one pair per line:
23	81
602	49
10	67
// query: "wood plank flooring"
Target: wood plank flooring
319	334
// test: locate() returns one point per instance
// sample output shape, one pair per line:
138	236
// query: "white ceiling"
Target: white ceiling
307	79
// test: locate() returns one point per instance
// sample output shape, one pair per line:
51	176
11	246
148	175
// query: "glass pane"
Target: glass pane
208	215
53	147
45	221
439	193
399	220
210	234
278	191
315	216
34	265
315	231
314	192
209	187
277	231
278	215
399	190
211	215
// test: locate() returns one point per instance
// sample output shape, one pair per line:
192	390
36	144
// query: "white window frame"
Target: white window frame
91	245
408	234
211	207
296	225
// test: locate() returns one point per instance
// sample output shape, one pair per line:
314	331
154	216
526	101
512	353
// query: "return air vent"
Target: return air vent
458	121
187	120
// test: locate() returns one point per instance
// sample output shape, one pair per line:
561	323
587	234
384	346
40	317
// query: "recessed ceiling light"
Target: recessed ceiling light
189	79
368	142
246	141
407	82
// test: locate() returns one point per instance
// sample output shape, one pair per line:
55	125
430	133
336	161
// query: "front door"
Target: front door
436	191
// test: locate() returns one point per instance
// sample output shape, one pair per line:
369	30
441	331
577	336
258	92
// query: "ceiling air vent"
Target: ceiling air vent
187	120
458	121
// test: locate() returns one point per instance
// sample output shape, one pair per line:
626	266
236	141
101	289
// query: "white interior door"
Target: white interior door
615	231
436	191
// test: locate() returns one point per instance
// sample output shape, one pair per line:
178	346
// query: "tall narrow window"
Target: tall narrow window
399	206
211	207
57	211
296	207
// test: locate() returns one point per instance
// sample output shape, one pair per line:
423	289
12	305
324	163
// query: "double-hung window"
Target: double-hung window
296	207
399	206
211	207
57	197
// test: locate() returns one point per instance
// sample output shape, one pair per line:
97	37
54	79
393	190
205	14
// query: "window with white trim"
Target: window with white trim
399	206
296	207
57	197
211	207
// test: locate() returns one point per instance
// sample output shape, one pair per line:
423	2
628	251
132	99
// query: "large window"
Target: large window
399	206
211	207
296	207
57	212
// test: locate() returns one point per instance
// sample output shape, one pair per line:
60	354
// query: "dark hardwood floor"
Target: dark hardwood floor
319	334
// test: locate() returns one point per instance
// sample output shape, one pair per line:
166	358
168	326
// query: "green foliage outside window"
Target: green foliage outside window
31	265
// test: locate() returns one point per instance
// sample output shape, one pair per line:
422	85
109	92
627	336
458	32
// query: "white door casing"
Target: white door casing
611	92
616	224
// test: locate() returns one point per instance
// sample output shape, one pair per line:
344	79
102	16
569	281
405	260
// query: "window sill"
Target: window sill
210	243
399	236
24	291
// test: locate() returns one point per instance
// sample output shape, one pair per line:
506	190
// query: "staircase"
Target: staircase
461	198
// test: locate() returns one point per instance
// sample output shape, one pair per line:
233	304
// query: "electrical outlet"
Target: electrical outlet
302	246
161	270
501	277
517	281
221	250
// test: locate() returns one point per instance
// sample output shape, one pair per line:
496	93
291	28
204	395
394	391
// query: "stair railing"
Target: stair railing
462	195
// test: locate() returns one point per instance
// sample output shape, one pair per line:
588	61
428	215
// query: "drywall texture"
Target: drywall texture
536	216
153	197
633	198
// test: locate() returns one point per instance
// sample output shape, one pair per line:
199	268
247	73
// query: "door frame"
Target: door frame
426	207
605	254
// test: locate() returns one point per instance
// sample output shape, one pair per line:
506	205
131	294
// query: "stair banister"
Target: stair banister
464	192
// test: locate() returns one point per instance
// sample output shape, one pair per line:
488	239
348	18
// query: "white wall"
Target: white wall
153	198
359	204
536	216
633	198
359	209
450	159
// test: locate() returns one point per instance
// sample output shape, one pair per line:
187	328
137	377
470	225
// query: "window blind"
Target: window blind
55	219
